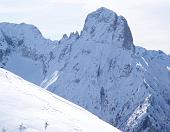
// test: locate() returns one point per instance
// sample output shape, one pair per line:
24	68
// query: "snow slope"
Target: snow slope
25	103
99	69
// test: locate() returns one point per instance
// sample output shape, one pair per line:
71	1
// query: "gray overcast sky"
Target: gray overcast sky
149	20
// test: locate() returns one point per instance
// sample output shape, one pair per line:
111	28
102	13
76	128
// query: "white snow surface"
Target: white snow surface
25	103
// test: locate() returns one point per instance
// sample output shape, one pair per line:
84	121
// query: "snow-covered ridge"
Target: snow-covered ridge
100	70
26	107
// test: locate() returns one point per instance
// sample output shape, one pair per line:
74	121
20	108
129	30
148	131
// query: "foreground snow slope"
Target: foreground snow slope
24	103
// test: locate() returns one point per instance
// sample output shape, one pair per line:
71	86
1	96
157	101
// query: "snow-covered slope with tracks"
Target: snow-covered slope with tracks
26	107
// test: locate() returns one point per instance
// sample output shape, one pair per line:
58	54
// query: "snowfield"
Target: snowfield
26	107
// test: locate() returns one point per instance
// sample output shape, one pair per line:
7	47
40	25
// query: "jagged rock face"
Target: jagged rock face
104	26
100	69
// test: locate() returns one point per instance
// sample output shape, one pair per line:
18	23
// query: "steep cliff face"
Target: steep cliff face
104	26
100	70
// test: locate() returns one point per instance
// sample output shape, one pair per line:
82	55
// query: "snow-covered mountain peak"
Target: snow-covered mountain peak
21	36
103	15
19	30
105	26
100	70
